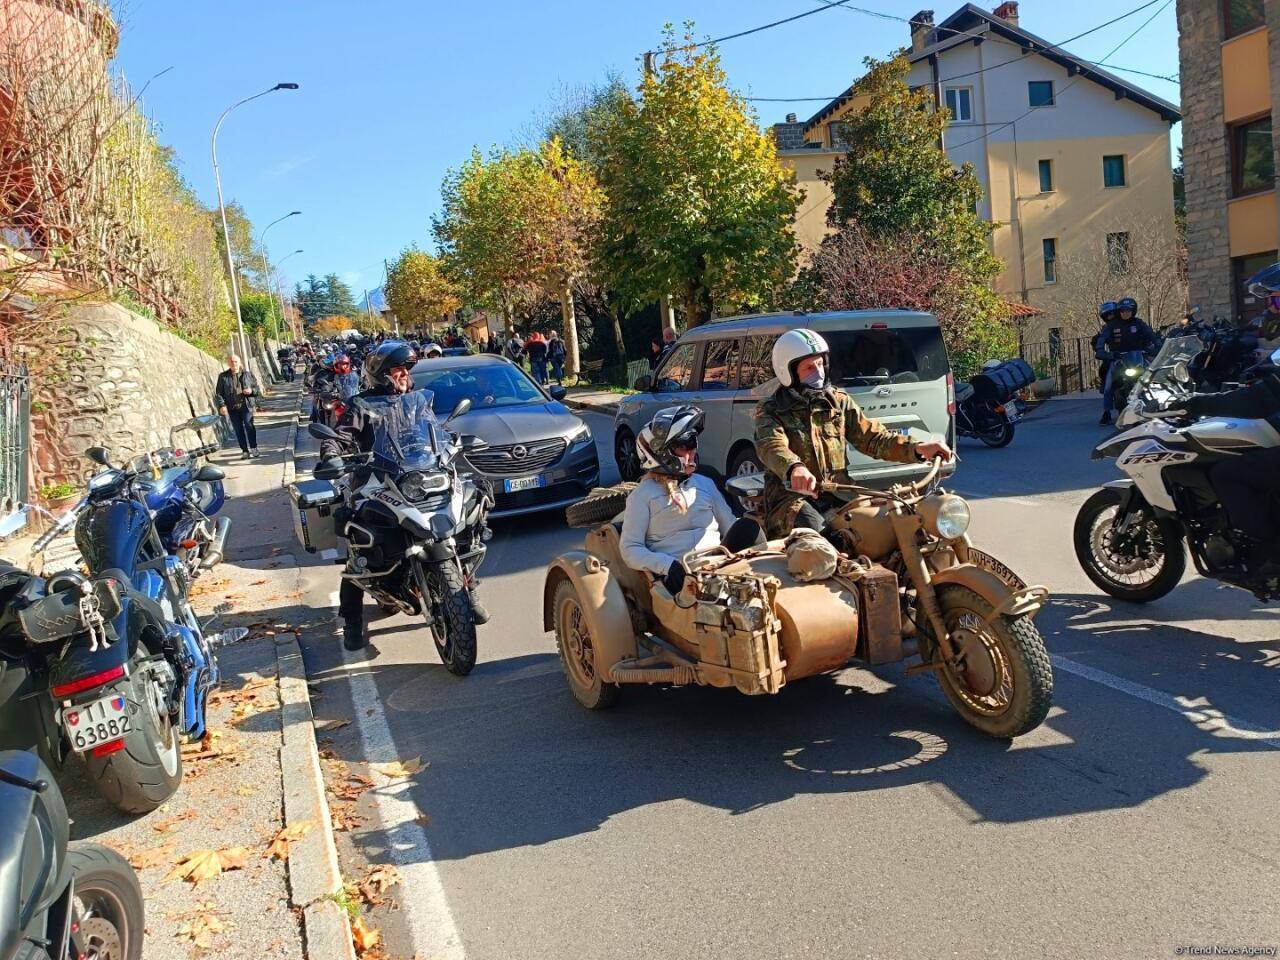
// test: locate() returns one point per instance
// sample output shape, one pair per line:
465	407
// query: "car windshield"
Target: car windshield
1175	350
487	385
405	431
861	358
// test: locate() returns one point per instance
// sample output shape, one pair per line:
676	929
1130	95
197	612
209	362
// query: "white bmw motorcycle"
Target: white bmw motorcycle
1129	535
415	525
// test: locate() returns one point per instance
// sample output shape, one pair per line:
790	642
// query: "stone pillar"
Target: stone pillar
1205	157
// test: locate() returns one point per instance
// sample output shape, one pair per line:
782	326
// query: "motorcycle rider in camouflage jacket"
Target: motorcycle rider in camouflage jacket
801	433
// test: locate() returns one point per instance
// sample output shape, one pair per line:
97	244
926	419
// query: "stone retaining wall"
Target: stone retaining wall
102	375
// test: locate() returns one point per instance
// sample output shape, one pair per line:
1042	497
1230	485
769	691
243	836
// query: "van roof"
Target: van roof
766	323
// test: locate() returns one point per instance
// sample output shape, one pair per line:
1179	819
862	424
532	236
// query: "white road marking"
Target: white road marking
1199	712
426	912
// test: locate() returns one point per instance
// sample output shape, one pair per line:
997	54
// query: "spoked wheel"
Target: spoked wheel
1140	563
625	455
578	652
446	605
108	902
1002	683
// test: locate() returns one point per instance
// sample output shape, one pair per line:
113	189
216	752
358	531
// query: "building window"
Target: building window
1040	93
1113	171
1239	16
1119	253
1252	157
1247	306
1046	176
960	103
1050	259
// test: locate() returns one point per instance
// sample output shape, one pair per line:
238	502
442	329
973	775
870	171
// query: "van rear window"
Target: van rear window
861	358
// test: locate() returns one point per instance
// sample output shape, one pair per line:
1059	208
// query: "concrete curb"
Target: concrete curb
314	875
609	408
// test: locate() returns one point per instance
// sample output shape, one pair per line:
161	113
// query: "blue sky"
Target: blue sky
394	92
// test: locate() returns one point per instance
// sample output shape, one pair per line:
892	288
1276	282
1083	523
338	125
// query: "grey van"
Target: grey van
893	362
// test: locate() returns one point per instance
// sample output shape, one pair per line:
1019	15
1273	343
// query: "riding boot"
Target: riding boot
479	613
353	637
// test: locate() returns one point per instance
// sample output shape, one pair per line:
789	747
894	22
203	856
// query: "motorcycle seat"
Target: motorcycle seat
963	392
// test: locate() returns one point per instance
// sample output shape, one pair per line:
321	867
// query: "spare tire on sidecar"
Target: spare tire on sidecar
755	621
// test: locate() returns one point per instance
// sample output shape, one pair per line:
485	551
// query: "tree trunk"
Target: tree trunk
508	325
617	338
570	328
697	306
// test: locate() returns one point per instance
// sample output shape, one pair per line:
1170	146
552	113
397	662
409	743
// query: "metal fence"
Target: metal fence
1070	360
15	434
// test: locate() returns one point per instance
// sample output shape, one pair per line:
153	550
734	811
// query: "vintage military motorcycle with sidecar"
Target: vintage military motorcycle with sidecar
907	583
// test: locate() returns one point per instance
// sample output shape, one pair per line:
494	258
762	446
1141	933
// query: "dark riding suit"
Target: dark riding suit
1118	337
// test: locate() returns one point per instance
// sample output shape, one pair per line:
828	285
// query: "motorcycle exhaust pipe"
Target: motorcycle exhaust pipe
218	544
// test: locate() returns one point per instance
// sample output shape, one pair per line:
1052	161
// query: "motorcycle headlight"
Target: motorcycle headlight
1130	371
581	435
419	486
945	516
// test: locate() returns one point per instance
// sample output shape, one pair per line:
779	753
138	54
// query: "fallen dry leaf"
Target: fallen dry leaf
155	857
258	583
202	925
327	725
376	883
201	865
423	818
247	792
363	936
344	818
399	769
279	849
168	826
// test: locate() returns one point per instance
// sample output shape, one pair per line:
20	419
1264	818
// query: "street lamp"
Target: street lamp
266	270
222	210
280	286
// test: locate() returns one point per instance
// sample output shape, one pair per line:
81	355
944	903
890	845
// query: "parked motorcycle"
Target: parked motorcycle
414	522
1129	536
59	900
987	406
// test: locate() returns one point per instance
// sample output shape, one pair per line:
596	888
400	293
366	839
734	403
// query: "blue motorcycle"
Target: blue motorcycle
135	528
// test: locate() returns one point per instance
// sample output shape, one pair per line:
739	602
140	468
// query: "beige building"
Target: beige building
1073	160
1230	69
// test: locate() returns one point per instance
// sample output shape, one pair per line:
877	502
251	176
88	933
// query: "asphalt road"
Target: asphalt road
688	822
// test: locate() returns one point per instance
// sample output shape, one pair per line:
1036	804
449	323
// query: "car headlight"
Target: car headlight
945	516
581	435
419	486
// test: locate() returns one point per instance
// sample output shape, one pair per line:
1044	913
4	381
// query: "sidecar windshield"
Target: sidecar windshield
406	434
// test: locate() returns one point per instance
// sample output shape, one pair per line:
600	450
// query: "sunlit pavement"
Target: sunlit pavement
850	816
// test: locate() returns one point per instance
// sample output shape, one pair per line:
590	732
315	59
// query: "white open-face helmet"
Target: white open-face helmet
792	347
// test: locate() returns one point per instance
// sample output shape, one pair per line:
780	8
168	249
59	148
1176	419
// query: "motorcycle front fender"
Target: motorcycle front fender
1004	598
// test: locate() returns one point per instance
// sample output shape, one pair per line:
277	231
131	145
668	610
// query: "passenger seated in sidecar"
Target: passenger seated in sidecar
675	510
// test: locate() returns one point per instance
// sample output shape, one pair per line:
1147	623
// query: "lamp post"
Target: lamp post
266	269
222	210
280	286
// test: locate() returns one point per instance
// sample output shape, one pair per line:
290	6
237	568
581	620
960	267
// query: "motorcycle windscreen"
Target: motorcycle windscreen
1174	351
406	434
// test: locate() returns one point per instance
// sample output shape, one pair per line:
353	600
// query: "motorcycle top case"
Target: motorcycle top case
999	384
314	504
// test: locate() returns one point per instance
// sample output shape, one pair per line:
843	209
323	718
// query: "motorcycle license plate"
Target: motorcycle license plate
524	483
93	724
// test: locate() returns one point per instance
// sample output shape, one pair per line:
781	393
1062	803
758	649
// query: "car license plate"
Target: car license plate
523	483
93	724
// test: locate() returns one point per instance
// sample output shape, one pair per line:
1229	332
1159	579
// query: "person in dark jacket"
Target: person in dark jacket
1124	332
236	391
556	354
1248	485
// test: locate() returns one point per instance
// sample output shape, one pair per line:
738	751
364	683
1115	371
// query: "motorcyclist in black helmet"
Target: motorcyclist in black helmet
1123	333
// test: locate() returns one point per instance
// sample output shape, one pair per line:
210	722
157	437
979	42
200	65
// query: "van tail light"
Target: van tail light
88	683
951	394
879	326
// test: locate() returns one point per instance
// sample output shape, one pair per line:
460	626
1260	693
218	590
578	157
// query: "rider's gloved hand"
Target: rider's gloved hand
674	580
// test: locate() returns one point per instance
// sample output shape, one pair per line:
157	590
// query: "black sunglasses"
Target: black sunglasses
688	443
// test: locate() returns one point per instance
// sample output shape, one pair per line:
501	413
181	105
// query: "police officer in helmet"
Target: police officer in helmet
804	407
1122	332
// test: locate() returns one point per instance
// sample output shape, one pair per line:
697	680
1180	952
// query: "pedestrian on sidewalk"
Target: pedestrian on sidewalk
513	350
668	344
536	347
556	354
236	393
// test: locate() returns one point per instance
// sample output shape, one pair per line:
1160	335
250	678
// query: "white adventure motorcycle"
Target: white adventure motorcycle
1129	535
415	525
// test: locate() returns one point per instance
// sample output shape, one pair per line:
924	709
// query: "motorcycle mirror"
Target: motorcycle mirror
209	473
463	406
322	431
99	455
13	522
208	420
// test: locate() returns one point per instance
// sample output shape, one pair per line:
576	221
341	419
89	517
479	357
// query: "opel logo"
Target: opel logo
519	452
